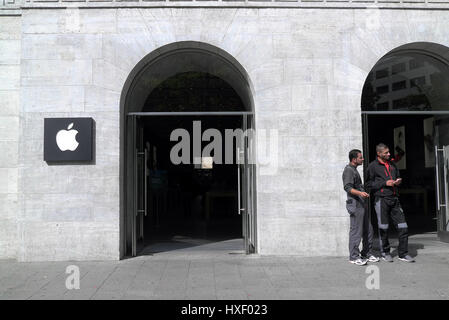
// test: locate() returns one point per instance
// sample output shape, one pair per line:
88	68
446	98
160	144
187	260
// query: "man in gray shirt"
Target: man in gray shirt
360	220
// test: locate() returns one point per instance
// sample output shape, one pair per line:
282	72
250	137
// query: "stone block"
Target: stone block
9	206
32	125
310	44
9	179
8	239
332	123
62	46
215	24
310	236
270	204
43	21
46	180
56	72
310	97
287	179
108	75
9	52
279	24
53	99
64	241
70	20
346	98
10	27
330	21
308	71
98	21
257	51
9	153
296	151
162	31
9	128
294	124
127	49
267	75
274	99
9	77
10	102
99	99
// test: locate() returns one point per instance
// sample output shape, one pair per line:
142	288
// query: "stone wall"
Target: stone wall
307	68
10	34
70	212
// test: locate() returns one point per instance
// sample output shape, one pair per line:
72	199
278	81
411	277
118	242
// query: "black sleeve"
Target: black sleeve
373	183
398	175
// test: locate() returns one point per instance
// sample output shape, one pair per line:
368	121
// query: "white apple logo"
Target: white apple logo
65	139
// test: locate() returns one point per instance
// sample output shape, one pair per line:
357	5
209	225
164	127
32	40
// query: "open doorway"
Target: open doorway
413	153
188	204
405	105
203	200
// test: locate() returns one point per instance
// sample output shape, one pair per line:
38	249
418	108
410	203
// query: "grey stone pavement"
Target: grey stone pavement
209	271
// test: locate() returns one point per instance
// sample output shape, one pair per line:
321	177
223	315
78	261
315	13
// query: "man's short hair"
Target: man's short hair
353	154
380	147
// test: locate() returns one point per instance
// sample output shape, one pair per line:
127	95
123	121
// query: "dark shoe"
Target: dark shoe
407	258
387	258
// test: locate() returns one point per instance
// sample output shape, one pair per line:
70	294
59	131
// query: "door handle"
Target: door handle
437	169
146	178
238	181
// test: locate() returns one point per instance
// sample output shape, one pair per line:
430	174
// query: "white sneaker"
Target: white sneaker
407	258
371	258
359	262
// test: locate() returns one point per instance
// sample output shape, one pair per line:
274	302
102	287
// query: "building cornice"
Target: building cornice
14	7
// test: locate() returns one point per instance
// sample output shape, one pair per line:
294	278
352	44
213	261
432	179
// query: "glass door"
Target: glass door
140	192
443	216
441	173
246	184
442	181
137	157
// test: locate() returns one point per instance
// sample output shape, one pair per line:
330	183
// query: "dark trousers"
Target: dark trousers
360	230
387	207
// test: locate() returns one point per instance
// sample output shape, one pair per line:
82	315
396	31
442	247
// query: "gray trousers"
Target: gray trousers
360	230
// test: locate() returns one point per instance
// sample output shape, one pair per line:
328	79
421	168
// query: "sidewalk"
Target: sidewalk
218	271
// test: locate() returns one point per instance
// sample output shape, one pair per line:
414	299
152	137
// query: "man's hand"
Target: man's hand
364	195
398	181
390	183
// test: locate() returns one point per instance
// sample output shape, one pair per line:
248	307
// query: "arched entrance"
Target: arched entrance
182	185
405	104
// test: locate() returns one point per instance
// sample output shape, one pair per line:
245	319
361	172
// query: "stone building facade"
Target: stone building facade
307	62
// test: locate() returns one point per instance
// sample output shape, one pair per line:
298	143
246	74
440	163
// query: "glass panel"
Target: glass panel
407	82
193	91
444	217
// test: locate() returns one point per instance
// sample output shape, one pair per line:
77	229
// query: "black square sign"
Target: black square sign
68	139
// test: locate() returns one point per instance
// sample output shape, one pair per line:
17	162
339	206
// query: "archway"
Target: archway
174	88
405	104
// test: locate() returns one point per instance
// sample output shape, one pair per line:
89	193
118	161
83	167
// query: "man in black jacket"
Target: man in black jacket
383	179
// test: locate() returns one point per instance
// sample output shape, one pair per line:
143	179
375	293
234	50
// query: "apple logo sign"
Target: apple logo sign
66	139
69	139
